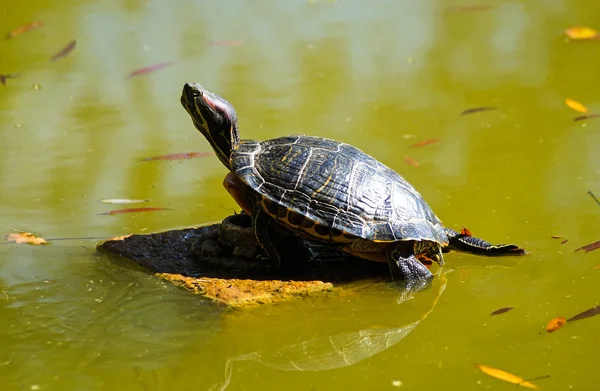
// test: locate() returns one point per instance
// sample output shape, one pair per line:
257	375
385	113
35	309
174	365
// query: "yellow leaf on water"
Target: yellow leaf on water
555	324
573	104
25	238
581	32
507	377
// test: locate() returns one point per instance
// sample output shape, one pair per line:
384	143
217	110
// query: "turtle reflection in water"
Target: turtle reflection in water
327	191
380	320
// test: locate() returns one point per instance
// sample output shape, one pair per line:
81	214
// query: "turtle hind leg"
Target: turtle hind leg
404	265
473	245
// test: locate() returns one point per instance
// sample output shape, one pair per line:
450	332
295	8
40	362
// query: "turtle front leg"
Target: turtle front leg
404	265
263	230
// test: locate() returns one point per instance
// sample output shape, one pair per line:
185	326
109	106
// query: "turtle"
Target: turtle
327	191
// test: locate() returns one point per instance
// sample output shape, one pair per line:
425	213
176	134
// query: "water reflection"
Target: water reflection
333	345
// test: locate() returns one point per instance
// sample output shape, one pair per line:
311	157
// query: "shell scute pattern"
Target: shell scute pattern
337	186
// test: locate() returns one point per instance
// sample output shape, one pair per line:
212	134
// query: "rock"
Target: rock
219	261
209	248
248	252
243	293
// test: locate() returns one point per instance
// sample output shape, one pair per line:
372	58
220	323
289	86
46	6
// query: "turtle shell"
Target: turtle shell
337	186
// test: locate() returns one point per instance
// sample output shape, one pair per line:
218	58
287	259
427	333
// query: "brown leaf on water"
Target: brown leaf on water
25	238
501	310
425	142
573	104
178	156
587	116
591	193
555	324
506	376
411	161
581	32
586	314
149	69
132	210
590	247
596	267
478	109
465	231
559	237
24	28
5	76
65	51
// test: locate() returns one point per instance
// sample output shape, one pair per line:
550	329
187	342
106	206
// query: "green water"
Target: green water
382	77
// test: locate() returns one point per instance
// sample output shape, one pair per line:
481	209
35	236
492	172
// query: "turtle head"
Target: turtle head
214	117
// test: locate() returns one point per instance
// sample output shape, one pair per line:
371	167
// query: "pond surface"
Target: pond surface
383	77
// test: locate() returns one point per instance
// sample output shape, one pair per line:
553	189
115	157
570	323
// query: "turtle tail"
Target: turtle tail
470	244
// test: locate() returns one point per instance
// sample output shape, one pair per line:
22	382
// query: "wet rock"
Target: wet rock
248	252
209	248
221	262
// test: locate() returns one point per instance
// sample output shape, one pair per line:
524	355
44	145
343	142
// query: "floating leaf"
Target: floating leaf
590	247
594	197
5	76
506	376
596	267
586	314
149	69
465	231
25	238
573	104
587	116
65	51
25	28
564	241
501	311
132	210
478	109
555	236
178	156
411	161
555	324
581	32
121	201
425	142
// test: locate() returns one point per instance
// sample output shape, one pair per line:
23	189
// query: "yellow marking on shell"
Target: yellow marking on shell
303	231
386	241
312	233
323	186
289	152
